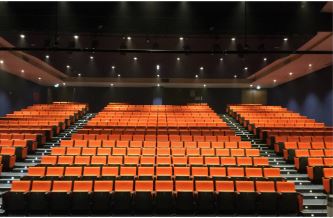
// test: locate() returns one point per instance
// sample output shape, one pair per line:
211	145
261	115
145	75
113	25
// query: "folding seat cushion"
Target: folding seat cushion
37	198
196	161
59	198
181	173
225	197
289	201
143	198
260	161
199	173
164	199
272	173
235	172
110	173
91	172
81	197
184	197
254	173
146	173
267	197
244	161
49	160
101	197
205	200
164	173
122	197
246	197
228	161
14	201
58	151
163	160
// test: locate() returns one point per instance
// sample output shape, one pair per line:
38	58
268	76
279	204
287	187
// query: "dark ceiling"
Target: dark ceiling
158	25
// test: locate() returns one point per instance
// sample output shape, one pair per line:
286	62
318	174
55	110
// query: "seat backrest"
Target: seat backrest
103	186
224	186
302	153
313	161
41	186
181	171
83	186
36	171
245	186
272	172
204	186
164	171
55	171
20	186
253	172
163	185
265	186
328	172
123	186
184	185
235	171
62	186
144	185
285	187
73	171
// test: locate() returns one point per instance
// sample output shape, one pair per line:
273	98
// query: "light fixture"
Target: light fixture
274	81
39	78
22	36
158	85
113	67
221	59
251	85
310	65
204	85
56	85
111	84
1	61
135	58
285	39
129	38
201	68
291	73
157	67
91	57
245	68
233	39
68	66
22	71
63	84
79	74
178	58
181	38
258	87
265	59
158	75
76	36
47	56
196	76
118	75
235	76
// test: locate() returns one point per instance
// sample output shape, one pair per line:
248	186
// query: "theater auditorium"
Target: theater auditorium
176	108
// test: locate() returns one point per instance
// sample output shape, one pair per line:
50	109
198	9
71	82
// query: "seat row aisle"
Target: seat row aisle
149	159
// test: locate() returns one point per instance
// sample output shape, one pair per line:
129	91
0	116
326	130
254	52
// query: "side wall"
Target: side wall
17	93
311	96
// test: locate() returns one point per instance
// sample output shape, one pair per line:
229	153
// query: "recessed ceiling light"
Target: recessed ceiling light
22	71
201	68
221	59
157	67
181	38
251	85
1	61
196	76
233	39
56	85
245	68
204	85
68	66
158	85
178	59
285	39
113	67
258	87
111	84
235	76
39	78
91	57
79	74
265	59
135	58
76	36
129	38
22	36
118	75
291	73
274	81
47	56
158	75
310	65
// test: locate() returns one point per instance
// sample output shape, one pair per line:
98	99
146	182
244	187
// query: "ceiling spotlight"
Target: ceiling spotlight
158	75
258	87
39	78
129	38
47	56
274	81
113	67
181	38
201	68
76	36
285	39
63	84
118	75
91	57
251	85
245	68
135	58
233	39
196	76
310	65
79	74
22	71
158	85
178	58
221	59
235	76
1	61
204	85
291	73
265	59
22	36
111	84
68	66
157	67
56	85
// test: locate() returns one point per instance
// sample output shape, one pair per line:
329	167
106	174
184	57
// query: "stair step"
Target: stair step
313	212
314	195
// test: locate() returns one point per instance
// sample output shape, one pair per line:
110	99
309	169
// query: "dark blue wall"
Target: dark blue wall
311	96
17	93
